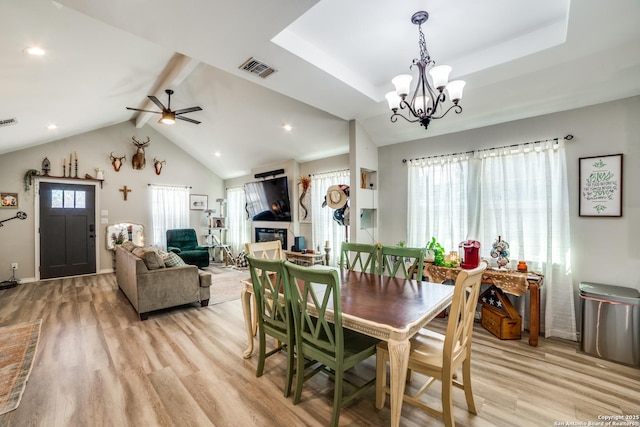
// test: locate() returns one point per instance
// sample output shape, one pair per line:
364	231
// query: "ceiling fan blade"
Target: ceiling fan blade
146	111
187	110
157	102
186	119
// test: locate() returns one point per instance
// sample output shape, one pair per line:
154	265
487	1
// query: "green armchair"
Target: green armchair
184	242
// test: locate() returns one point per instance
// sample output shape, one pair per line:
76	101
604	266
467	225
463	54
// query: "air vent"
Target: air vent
8	122
255	66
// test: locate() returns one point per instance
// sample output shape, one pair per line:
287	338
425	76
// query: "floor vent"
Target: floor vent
255	66
8	122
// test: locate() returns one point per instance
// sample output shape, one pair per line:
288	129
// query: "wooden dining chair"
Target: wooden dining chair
359	257
313	292
269	279
266	250
396	259
263	250
439	356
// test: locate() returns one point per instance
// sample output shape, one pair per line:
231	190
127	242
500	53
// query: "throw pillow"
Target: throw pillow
152	259
128	245
139	252
172	260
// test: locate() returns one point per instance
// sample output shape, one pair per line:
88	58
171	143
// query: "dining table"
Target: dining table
391	309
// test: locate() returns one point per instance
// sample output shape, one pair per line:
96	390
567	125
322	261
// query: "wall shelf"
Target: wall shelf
70	178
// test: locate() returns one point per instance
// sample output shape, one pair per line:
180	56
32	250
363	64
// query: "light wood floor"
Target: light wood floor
98	365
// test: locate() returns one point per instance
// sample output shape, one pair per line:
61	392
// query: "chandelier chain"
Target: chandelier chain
424	52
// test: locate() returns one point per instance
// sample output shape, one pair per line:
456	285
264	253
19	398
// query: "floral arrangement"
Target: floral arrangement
305	183
119	238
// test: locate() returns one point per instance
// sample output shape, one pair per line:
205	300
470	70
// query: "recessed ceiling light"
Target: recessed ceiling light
287	127
217	154
34	50
52	126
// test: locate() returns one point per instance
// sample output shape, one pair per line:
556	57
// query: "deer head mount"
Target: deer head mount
116	161
138	159
158	165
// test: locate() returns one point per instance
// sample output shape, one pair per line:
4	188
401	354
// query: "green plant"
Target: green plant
438	254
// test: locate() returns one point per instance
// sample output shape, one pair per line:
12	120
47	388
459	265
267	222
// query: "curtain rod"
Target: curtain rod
169	185
334	171
568	137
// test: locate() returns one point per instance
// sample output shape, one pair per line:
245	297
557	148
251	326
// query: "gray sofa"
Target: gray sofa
158	287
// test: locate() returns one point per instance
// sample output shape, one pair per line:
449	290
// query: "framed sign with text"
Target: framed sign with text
600	186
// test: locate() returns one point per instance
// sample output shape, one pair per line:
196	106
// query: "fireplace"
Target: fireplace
271	234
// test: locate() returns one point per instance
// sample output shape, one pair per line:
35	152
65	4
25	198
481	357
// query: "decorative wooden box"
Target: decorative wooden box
499	316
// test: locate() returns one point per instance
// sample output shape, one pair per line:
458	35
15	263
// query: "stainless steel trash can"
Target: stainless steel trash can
611	322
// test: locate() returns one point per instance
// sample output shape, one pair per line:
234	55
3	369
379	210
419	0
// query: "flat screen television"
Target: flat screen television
268	200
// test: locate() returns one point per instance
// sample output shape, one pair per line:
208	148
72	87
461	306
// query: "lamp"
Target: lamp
426	102
168	118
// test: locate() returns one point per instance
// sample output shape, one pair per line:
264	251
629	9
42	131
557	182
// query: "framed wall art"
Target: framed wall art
9	200
600	186
198	202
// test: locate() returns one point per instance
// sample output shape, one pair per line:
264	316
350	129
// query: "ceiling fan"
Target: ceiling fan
169	117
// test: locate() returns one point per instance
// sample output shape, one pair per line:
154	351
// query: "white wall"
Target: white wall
93	150
604	250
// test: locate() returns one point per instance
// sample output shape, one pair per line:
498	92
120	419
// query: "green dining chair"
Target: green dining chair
313	292
358	256
269	278
410	261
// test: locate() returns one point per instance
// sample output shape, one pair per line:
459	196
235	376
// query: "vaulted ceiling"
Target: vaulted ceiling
333	59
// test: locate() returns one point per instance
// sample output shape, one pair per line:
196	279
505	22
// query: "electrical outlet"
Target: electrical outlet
14	265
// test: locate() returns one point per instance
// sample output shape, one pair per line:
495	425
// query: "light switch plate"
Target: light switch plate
104	220
104	212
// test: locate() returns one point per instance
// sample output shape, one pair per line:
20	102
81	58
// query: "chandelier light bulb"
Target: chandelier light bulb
440	76
421	104
454	89
402	84
393	100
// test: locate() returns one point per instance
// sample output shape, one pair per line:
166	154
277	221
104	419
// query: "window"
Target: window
237	219
519	193
324	228
169	210
68	199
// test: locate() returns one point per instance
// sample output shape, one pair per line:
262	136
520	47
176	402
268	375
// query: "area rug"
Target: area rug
226	283
18	345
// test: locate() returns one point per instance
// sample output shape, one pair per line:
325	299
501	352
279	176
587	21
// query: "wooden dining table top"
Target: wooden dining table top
396	302
387	307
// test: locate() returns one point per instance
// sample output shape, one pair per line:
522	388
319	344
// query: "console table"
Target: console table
305	259
510	281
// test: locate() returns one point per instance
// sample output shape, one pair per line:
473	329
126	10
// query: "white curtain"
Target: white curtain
525	200
237	222
324	228
169	210
443	210
519	193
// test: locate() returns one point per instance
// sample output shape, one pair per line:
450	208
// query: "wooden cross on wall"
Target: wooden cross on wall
125	190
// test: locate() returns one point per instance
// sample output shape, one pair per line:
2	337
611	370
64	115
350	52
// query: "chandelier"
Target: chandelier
427	101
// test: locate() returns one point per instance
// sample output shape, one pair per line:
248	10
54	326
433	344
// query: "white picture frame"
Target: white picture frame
198	202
